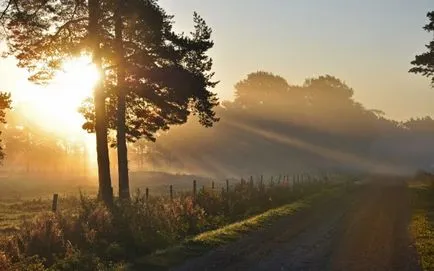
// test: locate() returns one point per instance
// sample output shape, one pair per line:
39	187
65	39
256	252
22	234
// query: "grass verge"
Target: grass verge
422	224
204	242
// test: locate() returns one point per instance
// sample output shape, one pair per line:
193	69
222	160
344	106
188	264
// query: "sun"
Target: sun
78	77
54	107
70	87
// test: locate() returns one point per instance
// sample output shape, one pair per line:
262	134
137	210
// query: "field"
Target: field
168	215
22	198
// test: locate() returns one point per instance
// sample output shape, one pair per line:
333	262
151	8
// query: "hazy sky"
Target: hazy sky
368	44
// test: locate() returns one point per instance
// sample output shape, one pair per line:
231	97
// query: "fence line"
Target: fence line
293	182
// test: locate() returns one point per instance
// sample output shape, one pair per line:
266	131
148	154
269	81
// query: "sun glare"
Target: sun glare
71	86
55	107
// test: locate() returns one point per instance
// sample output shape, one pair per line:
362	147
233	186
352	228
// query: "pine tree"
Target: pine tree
158	77
424	63
153	77
41	34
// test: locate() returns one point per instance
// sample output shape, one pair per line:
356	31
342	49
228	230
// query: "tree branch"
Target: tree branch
6	9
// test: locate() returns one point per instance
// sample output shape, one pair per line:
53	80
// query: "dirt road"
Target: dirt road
364	231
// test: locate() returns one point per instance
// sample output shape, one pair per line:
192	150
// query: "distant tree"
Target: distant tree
42	34
30	147
326	97
420	125
424	63
325	89
5	104
260	89
158	78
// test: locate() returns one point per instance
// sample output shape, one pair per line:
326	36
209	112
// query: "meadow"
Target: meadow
84	234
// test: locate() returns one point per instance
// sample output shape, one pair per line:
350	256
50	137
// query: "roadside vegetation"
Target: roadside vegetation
422	224
204	242
86	235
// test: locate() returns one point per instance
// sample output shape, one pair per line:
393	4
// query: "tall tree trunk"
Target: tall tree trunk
124	186
105	187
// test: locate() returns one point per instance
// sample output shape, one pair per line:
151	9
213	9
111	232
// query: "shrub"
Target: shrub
79	261
42	237
5	263
93	237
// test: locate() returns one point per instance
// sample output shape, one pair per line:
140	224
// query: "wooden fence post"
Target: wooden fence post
227	186
171	192
147	194
54	205
251	182
194	189
212	185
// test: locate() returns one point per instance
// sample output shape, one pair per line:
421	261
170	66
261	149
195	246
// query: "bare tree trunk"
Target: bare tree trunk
105	187
124	187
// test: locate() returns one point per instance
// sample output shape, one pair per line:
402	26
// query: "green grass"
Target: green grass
422	223
14	213
204	242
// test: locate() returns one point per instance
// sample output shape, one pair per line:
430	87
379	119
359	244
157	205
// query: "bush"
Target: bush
42	237
92	237
79	261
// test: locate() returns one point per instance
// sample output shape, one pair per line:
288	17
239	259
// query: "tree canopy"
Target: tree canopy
313	126
424	63
168	76
151	77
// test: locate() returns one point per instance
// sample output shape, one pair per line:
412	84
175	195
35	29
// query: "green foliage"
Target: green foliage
41	34
200	244
424	63
169	74
422	223
76	260
92	237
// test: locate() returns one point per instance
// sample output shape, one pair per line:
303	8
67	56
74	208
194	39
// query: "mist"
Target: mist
274	127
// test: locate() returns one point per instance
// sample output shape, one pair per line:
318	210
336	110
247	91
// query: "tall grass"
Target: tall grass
92	237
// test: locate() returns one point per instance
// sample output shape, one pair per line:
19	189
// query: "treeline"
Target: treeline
272	126
31	149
